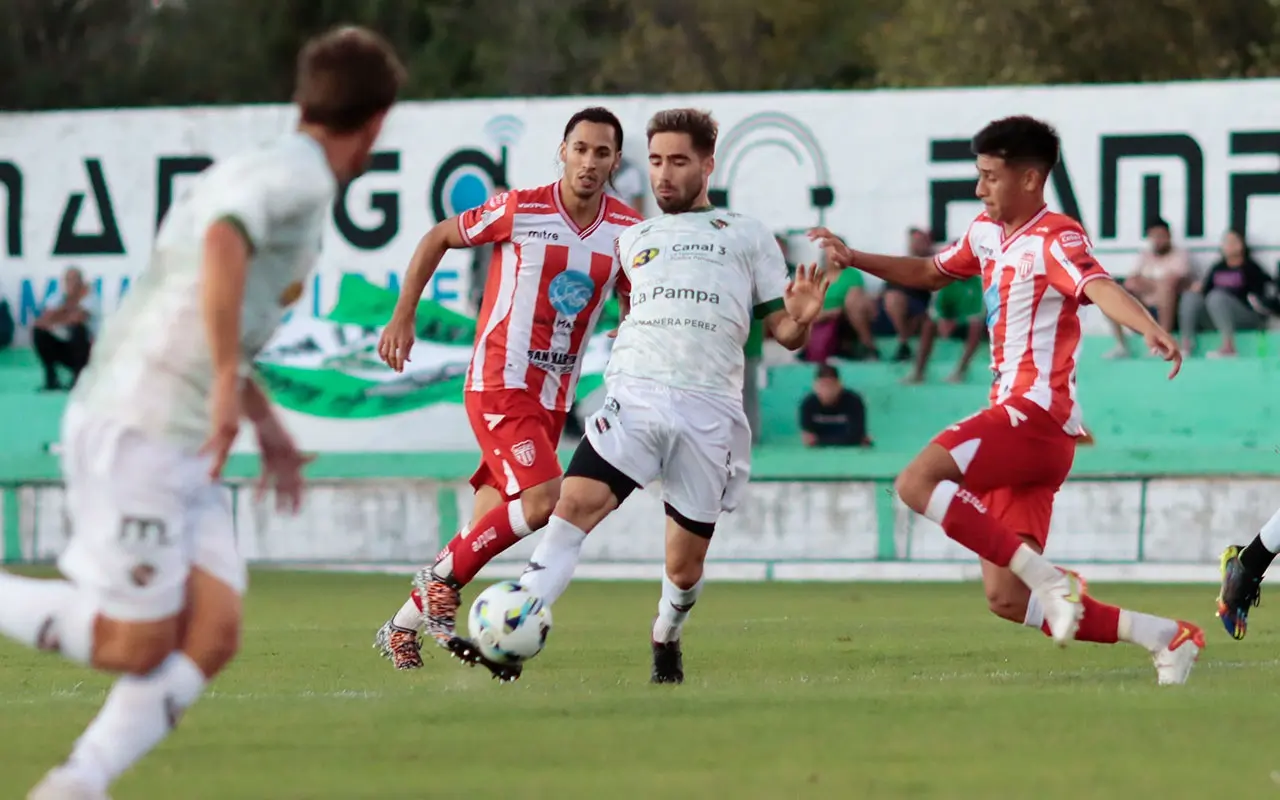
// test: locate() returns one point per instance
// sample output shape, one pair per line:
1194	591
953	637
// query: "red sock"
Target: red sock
968	523
1101	623
489	537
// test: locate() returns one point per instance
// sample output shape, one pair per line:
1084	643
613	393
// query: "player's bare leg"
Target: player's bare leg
1174	645
929	330
931	485
681	586
166	666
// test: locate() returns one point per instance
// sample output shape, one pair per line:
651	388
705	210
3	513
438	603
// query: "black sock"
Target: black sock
1256	557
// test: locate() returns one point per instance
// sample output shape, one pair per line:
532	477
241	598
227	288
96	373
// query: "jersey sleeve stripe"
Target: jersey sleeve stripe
1086	280
241	228
462	230
937	263
766	308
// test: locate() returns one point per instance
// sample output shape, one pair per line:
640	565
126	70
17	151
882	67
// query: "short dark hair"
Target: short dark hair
699	126
1157	222
827	371
346	77
599	115
1020	140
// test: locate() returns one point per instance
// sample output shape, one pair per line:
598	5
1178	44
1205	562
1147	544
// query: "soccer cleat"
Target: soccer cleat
466	651
1174	663
400	645
668	663
443	598
1063	605
62	784
1240	591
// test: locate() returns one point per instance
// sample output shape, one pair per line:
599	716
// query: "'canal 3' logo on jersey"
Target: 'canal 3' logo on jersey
644	257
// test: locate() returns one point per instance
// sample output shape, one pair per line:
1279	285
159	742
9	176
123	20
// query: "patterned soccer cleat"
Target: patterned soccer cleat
465	651
1174	663
441	609
1240	591
668	663
399	645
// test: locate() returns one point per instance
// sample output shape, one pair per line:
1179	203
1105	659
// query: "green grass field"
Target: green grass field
792	691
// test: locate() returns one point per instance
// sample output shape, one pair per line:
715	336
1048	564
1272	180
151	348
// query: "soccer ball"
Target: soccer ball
508	624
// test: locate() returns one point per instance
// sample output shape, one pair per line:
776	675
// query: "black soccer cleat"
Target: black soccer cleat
668	663
1240	592
466	651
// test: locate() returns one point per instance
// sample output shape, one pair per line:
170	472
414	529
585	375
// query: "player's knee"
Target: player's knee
135	648
213	643
1007	605
539	502
914	486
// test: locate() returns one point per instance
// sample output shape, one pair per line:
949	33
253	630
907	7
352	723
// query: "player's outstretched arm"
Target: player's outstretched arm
1124	309
802	302
398	337
224	270
909	271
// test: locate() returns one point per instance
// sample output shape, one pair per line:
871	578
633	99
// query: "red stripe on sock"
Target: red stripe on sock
968	522
489	537
1101	623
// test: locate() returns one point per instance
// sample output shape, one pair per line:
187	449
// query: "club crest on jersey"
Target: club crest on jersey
570	292
291	294
644	257
524	453
1026	265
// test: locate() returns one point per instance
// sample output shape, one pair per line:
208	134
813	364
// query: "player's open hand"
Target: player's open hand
839	255
224	423
1163	345
282	465
396	342
805	294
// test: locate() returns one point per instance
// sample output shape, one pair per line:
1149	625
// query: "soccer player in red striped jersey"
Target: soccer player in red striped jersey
554	264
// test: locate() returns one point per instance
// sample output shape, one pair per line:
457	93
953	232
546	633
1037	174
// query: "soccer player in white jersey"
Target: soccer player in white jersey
153	579
673	408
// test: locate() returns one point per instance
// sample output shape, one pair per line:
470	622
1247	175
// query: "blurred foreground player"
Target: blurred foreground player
1242	572
990	479
554	264
154	580
673	408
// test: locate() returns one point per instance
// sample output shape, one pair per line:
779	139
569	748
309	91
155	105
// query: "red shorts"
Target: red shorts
517	438
1014	457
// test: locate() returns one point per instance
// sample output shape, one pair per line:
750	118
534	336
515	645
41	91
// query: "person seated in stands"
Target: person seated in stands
903	310
1232	296
1162	273
957	303
63	333
833	415
843	328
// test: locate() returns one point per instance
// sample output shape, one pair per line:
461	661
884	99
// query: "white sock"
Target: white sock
139	713
1035	613
409	616
1035	570
1153	633
48	615
673	609
940	500
553	561
1270	533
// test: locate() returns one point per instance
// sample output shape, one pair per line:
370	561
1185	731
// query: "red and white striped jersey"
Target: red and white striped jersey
546	288
1033	286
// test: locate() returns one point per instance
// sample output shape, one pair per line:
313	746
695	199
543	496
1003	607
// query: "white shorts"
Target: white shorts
143	512
698	443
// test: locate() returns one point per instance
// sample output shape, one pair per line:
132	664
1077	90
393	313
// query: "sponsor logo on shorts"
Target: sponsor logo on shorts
611	405
142	574
483	539
570	292
602	425
524	453
644	257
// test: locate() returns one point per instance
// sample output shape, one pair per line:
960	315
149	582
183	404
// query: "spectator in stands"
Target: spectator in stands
904	309
1231	297
957	302
833	415
1162	273
63	333
843	328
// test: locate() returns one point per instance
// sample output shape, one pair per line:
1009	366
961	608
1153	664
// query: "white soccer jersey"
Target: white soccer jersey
696	280
151	368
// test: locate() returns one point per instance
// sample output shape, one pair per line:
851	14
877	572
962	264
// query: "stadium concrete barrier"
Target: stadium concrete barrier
1146	529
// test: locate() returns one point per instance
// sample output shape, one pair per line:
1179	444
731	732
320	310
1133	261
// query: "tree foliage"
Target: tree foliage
82	53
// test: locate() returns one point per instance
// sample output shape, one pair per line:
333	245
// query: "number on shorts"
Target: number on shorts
144	532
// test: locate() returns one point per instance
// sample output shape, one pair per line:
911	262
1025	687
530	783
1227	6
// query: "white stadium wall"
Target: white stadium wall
1156	529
